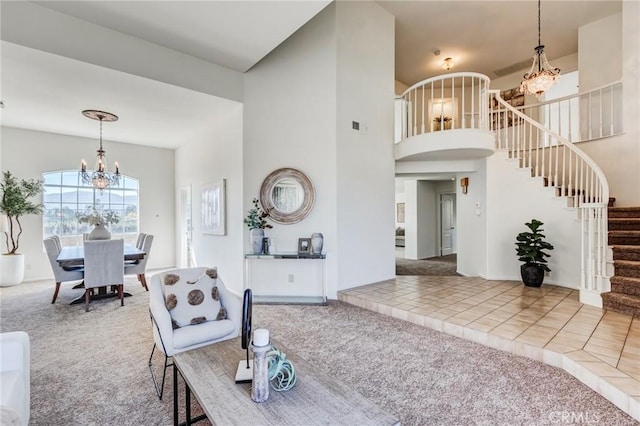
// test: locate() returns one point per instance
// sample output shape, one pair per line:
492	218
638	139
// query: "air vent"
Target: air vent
518	66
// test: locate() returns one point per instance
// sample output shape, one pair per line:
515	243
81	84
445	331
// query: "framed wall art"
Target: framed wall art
213	208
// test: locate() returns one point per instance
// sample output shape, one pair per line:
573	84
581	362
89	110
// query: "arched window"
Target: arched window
65	195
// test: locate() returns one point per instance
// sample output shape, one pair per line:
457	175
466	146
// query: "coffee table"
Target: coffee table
209	373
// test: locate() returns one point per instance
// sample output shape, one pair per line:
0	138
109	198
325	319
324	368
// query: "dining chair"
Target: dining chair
138	267
140	241
60	274
103	266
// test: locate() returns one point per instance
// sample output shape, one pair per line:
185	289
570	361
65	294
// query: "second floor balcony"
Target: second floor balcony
444	118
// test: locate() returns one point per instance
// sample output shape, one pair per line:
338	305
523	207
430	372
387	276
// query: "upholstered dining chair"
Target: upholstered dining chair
103	266
173	336
139	267
140	241
60	274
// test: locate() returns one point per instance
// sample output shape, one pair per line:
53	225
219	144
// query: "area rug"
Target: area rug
91	368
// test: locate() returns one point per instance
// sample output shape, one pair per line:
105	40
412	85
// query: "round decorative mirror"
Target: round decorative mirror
288	195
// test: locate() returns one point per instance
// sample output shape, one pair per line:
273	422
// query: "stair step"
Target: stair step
624	212
624	238
626	253
622	303
624	224
627	268
625	285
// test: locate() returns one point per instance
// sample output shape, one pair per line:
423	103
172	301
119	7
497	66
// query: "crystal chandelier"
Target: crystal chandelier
100	178
541	76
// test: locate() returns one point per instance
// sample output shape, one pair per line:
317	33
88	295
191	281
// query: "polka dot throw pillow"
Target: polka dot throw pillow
193	299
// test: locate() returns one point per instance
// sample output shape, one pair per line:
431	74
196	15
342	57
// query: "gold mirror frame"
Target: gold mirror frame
266	197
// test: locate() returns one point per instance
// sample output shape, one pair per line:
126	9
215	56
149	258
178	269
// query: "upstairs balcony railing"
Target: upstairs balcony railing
583	116
447	102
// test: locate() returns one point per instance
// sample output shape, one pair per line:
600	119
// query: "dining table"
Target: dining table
73	256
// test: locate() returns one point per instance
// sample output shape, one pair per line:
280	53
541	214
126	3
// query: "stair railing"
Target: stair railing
571	172
446	102
583	116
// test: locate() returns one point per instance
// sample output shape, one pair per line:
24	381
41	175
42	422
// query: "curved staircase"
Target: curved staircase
624	236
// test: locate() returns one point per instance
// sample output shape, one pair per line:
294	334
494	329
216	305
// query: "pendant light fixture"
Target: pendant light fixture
100	178
541	76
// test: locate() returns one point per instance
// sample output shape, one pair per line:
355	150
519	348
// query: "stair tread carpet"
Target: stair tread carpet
624	224
625	285
627	304
624	237
622	252
618	212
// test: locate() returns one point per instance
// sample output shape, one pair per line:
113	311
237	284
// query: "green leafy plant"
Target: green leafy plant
93	216
531	246
256	217
15	204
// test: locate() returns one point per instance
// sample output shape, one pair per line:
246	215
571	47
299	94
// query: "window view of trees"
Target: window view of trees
65	195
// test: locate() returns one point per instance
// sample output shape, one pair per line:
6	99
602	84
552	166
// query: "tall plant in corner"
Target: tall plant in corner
15	204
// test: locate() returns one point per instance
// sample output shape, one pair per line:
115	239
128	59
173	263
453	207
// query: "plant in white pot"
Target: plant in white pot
256	220
98	218
15	203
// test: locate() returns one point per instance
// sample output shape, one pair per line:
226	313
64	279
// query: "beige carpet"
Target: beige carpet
91	368
433	266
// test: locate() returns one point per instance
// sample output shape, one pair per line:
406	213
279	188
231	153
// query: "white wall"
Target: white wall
617	38
209	159
27	154
299	104
472	223
290	121
513	198
365	161
421	218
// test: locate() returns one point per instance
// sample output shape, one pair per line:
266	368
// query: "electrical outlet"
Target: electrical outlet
290	278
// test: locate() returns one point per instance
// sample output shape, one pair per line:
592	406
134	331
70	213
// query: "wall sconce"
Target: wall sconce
464	183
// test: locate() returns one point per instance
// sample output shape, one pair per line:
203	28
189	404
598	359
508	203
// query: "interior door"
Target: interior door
447	223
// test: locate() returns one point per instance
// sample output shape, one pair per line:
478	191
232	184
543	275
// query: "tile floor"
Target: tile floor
548	324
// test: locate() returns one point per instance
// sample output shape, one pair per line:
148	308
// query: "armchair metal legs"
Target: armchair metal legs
159	389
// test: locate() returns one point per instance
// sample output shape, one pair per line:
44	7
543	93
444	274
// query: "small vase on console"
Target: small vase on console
257	240
317	241
99	232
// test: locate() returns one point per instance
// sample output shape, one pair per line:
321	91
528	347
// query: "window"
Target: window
65	195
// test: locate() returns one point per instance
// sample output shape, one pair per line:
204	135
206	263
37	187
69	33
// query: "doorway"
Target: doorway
186	258
447	224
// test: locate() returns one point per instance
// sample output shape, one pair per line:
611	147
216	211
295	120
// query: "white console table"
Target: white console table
286	278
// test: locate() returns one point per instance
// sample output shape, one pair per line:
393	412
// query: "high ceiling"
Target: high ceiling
481	36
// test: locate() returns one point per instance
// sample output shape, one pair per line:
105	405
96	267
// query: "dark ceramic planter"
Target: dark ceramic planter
532	275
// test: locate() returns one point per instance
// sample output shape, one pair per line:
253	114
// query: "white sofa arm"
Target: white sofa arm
15	371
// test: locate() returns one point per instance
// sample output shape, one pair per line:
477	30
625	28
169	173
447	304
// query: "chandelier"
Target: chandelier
100	178
541	76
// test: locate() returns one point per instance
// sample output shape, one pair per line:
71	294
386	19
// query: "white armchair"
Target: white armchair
172	340
15	378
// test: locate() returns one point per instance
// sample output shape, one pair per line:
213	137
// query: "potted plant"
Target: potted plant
16	194
98	219
442	123
530	247
256	220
